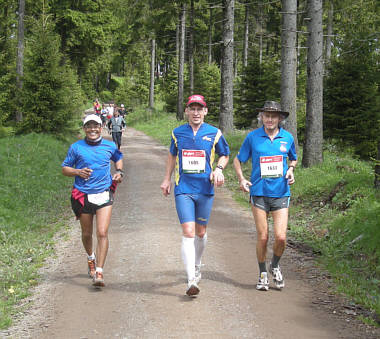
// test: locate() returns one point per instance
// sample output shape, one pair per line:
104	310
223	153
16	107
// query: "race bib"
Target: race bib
99	198
193	161
271	167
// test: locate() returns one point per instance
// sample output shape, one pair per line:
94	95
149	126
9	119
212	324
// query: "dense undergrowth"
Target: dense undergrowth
335	210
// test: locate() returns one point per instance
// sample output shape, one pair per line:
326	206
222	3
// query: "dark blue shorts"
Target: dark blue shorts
194	207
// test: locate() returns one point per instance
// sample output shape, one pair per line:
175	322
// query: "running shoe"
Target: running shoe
263	284
277	277
91	267
192	288
98	280
198	274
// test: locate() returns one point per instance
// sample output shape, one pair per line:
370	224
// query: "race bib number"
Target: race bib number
271	167
193	161
99	198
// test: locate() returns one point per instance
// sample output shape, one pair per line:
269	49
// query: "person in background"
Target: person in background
116	126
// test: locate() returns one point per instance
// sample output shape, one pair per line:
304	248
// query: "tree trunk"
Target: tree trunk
377	167
289	65
246	36
329	34
226	119
260	30
152	64
210	24
181	61
313	152
20	56
191	48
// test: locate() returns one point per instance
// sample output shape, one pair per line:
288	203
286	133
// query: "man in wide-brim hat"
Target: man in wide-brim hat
274	158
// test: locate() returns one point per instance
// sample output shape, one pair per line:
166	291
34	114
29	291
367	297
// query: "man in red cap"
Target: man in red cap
192	151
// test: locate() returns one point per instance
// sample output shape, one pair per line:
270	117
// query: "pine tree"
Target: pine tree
51	96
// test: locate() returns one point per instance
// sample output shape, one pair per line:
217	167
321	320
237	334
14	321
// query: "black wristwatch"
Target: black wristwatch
220	167
120	171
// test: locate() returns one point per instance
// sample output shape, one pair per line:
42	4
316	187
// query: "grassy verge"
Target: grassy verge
33	199
335	210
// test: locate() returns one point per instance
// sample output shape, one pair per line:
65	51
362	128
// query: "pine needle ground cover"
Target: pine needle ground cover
34	198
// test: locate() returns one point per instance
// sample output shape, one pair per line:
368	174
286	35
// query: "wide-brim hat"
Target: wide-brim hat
92	117
272	106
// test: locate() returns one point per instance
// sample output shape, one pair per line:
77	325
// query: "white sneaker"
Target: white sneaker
263	284
192	288
198	275
277	277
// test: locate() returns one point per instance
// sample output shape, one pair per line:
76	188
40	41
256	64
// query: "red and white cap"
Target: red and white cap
196	99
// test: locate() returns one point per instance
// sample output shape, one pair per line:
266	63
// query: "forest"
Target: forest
319	59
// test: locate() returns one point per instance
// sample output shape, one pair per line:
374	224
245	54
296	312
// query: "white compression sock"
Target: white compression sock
91	257
200	245
188	256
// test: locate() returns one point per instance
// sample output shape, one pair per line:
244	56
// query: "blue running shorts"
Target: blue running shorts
194	207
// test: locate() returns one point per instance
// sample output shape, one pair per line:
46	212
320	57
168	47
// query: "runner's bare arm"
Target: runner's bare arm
72	172
243	183
217	175
166	184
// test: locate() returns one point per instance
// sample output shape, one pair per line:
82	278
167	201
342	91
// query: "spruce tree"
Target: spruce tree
51	96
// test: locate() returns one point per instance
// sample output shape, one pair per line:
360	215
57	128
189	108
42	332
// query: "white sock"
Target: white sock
188	256
199	244
99	269
91	257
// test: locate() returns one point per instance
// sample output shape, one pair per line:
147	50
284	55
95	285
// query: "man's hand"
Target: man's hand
245	185
85	173
166	187
117	177
217	177
290	176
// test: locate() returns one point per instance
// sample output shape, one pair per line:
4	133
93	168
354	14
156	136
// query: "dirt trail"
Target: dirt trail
144	296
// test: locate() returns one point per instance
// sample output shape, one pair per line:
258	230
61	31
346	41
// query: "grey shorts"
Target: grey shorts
270	204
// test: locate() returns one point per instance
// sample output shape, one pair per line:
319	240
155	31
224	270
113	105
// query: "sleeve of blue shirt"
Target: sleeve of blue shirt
245	151
117	155
222	147
70	159
292	152
173	147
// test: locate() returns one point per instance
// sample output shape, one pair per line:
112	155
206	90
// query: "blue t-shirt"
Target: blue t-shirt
257	145
96	157
195	157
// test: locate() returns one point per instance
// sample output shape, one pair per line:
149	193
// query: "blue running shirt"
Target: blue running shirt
96	157
195	157
258	146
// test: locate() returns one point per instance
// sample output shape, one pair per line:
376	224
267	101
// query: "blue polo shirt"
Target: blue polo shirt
96	157
256	145
191	149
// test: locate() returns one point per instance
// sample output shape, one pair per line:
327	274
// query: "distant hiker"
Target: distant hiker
88	160
122	111
192	150
116	125
274	159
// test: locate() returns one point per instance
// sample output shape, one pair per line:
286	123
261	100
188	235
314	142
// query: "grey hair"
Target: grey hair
280	124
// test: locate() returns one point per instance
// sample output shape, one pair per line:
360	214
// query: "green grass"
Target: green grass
335	210
33	201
